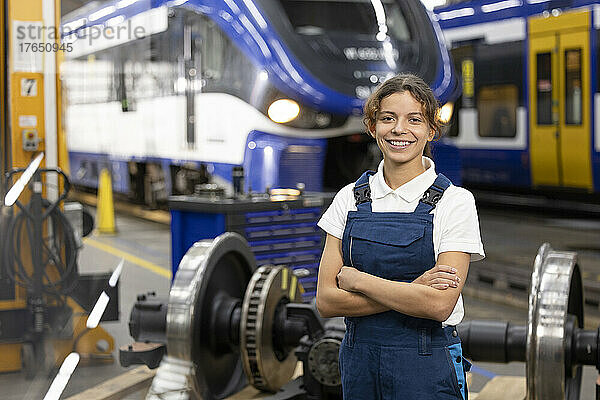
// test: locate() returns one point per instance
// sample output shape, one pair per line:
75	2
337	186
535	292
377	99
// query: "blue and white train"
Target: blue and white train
168	93
529	115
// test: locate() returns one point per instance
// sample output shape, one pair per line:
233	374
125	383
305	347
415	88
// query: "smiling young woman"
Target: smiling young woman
399	243
403	109
401	132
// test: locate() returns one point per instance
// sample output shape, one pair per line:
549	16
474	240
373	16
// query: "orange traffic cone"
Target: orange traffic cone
105	212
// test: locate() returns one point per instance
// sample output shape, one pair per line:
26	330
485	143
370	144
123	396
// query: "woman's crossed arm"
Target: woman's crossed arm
345	291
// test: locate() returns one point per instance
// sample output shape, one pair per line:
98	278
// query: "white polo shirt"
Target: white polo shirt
455	220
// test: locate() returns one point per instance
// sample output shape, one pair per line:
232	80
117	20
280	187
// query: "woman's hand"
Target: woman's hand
439	277
347	278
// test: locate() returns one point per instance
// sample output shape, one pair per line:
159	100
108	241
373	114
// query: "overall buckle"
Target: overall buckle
432	196
362	194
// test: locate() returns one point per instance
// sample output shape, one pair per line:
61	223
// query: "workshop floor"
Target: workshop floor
146	249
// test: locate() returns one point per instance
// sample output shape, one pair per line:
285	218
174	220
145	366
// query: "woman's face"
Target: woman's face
401	129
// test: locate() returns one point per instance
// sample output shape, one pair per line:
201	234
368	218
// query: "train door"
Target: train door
559	107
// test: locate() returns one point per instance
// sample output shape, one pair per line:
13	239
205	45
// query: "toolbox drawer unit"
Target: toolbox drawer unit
278	232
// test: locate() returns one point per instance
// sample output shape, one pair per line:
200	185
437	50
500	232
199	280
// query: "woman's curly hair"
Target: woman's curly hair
418	88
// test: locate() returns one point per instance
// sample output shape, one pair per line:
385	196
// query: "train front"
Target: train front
341	51
193	88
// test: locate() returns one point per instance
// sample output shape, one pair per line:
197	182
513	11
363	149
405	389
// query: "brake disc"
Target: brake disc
208	287
555	307
268	365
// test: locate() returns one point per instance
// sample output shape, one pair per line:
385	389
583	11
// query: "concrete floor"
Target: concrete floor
146	248
512	238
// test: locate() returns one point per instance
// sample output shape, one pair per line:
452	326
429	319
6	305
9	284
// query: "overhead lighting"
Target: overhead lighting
115	21
62	378
71	26
388	54
283	110
431	4
381	20
94	318
125	3
502	5
15	191
256	14
112	282
98	310
102	13
461	12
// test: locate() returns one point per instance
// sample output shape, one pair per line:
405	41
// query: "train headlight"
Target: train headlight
445	112
283	110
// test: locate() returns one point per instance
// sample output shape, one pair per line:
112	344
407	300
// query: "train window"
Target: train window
213	47
314	17
573	96
89	80
224	68
497	64
135	70
544	88
497	106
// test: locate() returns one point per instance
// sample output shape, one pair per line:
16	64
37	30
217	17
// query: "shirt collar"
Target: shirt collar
411	190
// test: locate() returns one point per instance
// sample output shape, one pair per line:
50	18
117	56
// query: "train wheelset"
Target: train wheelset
228	324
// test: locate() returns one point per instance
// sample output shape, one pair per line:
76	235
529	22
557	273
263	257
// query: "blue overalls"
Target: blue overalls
393	356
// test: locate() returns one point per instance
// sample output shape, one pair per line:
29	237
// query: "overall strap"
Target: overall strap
433	194
362	192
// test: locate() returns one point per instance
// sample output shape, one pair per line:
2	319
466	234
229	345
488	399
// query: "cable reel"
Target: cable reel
58	258
39	254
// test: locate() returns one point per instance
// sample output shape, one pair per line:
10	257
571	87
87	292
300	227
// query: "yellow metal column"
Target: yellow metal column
26	76
4	161
63	155
11	353
34	105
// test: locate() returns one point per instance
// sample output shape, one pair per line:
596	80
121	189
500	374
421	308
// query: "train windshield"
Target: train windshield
362	18
355	44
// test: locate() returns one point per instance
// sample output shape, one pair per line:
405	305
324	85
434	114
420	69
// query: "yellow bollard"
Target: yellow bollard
105	212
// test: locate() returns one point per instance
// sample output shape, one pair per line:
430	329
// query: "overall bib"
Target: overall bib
390	355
